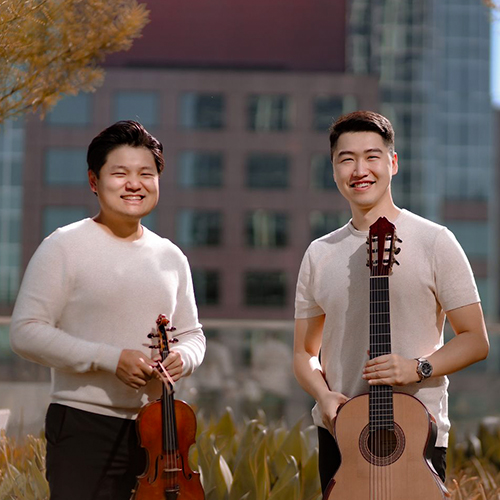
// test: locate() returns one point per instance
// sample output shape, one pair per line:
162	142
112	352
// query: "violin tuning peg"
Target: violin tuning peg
174	340
152	335
154	346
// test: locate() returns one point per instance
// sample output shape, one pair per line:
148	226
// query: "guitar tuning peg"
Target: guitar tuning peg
399	240
398	249
396	262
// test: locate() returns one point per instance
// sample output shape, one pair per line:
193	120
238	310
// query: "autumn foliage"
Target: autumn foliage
51	48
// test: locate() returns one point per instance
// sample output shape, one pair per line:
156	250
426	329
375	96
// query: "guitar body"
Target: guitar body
392	466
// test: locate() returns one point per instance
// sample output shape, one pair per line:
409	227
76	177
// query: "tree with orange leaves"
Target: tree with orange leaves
51	48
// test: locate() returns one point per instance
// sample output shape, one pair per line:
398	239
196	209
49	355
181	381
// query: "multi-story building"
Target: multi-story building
433	58
241	94
242	109
248	181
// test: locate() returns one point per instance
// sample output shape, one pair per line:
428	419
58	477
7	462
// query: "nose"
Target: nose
133	183
360	168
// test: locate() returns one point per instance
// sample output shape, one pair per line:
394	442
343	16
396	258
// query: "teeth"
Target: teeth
132	197
362	184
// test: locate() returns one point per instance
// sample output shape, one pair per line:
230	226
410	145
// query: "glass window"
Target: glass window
202	111
327	108
199	228
322	172
472	235
72	110
269	113
265	288
267	171
54	217
322	223
66	166
199	169
266	229
206	287
142	106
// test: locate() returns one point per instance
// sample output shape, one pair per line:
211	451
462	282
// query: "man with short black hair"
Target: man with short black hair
434	281
90	295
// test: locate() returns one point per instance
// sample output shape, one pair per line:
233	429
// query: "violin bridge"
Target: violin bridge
173	470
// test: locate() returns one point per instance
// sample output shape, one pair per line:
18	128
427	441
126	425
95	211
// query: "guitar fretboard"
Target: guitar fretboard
381	400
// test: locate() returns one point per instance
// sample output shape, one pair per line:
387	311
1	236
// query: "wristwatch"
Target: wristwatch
424	369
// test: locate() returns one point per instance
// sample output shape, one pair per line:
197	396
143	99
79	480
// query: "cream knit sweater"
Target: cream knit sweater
86	296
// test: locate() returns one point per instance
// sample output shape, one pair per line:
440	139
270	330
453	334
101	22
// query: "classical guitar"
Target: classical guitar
167	429
385	438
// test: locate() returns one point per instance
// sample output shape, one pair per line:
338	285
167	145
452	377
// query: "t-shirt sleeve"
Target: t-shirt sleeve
455	283
305	303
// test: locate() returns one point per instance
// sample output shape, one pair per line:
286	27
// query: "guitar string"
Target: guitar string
381	481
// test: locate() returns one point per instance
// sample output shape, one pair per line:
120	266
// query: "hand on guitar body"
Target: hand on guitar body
328	405
391	369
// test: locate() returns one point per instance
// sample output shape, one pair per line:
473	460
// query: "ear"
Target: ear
92	181
395	164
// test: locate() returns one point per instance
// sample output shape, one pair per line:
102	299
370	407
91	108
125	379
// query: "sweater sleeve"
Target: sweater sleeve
34	331
191	341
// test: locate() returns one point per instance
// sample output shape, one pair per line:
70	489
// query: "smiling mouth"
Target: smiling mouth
362	184
135	197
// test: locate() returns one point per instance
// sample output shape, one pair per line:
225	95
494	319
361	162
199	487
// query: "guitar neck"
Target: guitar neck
381	400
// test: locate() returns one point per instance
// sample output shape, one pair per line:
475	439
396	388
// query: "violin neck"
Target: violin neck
170	441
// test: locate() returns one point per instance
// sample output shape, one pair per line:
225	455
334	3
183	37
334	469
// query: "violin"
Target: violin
167	429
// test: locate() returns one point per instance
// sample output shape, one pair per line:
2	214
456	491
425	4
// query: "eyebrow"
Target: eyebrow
370	150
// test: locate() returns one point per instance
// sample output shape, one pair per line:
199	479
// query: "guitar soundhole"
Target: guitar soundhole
382	447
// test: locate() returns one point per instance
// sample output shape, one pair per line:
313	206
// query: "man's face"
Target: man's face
128	184
363	167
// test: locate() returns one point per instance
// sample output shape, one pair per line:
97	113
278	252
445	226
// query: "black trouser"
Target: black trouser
329	458
90	456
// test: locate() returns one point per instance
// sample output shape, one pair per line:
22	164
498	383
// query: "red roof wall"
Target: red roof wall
300	35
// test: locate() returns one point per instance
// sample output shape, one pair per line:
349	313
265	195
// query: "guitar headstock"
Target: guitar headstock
382	249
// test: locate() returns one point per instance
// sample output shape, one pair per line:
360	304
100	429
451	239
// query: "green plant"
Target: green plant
257	460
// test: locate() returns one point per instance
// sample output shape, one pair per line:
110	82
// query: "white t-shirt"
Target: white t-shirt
87	295
434	276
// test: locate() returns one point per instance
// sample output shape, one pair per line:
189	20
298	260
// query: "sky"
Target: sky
495	61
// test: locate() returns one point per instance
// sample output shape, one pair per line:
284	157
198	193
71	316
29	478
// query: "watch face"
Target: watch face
426	369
